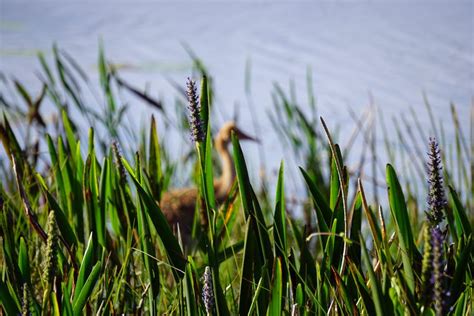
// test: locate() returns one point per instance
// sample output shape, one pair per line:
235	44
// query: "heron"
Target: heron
179	205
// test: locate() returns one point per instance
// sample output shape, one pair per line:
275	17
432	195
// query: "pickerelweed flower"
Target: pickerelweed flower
207	292
436	196
195	120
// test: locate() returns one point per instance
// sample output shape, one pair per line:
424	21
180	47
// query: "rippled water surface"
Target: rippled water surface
394	52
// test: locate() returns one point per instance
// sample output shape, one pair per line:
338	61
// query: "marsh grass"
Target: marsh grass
91	203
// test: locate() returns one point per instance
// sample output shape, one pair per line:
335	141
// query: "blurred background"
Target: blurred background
386	58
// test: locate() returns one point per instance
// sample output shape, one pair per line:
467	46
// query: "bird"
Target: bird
179	205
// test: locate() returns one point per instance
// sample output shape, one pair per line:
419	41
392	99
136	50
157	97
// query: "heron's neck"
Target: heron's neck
225	181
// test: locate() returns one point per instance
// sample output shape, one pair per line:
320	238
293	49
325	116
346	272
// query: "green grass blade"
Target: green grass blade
150	265
154	161
86	266
102	203
374	283
7	301
247	269
254	302
24	262
105	79
190	290
463	226
276	302
71	139
356	227
57	171
86	290
173	250
279	230
320	203
63	223
399	212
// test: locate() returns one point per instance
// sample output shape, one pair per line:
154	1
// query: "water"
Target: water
392	51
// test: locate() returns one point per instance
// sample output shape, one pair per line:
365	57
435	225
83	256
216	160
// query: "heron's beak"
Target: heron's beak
242	136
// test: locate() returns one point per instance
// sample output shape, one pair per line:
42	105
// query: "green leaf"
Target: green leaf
348	307
63	223
9	304
247	269
279	230
57	172
23	262
45	67
374	228
399	212
250	203
319	201
102	202
154	161
207	180
323	212
458	282
230	251
356	226
151	267
463	227
334	184
254	301
71	139
105	79
276	303
359	281
22	90
86	266
242	178
173	250
190	290
86	290
374	283
204	103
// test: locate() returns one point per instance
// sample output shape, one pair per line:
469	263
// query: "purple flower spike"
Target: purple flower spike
436	196
195	120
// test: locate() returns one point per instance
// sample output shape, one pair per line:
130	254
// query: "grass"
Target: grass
81	231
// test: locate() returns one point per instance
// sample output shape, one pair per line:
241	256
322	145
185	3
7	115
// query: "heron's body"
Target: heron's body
179	205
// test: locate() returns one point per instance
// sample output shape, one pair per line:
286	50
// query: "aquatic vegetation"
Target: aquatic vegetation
82	231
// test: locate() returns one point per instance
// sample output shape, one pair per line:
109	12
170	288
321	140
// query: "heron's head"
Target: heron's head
224	135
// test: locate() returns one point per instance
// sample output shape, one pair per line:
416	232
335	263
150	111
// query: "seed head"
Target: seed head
49	264
436	197
25	306
118	162
195	120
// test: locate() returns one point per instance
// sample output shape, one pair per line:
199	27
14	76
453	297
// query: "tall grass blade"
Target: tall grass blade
402	223
86	290
173	250
374	283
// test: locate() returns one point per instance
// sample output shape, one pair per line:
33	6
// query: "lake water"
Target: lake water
393	51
